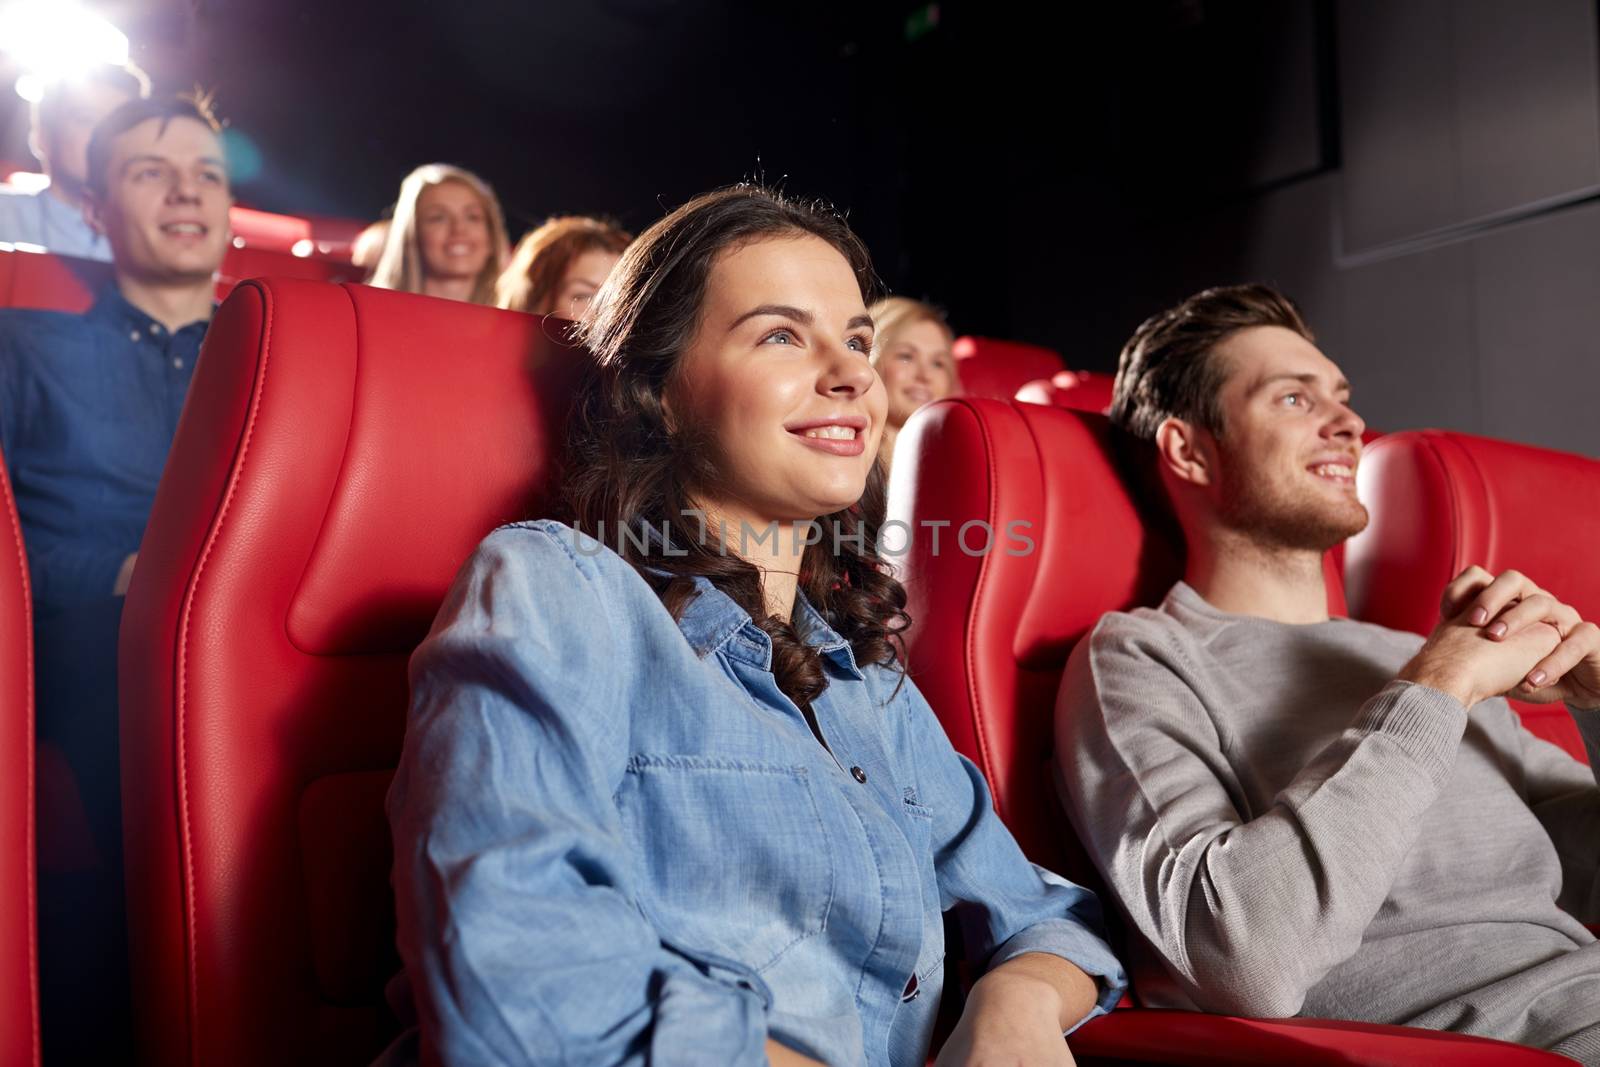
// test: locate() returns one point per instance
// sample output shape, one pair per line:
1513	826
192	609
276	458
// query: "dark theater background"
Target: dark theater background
1421	175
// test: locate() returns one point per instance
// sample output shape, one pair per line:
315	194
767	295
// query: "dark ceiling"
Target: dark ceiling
989	151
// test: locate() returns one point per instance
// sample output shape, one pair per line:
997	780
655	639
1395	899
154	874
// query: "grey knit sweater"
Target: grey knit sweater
1290	831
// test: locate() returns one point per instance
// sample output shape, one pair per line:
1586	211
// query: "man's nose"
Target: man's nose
1345	422
184	189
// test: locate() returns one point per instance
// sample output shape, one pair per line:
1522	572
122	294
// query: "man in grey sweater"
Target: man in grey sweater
1301	814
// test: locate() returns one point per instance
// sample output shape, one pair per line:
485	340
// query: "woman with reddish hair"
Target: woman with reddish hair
557	268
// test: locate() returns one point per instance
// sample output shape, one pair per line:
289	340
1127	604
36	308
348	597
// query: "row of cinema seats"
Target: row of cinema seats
288	571
64	283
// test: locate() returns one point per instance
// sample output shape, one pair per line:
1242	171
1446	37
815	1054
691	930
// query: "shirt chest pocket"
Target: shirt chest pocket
733	856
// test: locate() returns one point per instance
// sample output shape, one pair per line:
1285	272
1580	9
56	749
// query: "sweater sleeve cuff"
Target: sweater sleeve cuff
1427	724
1078	946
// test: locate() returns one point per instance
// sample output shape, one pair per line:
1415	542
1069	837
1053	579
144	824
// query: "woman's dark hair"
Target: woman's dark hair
627	468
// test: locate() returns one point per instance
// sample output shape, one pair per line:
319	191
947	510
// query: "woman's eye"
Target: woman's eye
1297	400
902	357
860	344
776	337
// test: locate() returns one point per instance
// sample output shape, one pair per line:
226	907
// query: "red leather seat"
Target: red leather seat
1441	501
1081	390
19	947
251	262
990	636
997	369
50	282
342	451
267	230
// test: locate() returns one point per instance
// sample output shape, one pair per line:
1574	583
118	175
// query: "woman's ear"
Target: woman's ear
1186	451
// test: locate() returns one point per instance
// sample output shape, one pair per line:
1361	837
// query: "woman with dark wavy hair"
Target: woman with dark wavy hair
667	796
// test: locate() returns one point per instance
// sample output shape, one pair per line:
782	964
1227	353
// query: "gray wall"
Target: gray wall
1450	260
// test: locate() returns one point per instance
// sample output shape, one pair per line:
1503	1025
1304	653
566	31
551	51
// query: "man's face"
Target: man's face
63	126
1290	443
165	208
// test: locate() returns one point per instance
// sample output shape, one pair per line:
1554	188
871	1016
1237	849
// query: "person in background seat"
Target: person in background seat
367	248
912	355
667	795
88	407
447	237
557	268
1305	814
59	127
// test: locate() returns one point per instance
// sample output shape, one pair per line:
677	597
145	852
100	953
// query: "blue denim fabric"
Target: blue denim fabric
88	407
616	841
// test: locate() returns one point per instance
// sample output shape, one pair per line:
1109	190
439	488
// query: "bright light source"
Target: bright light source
30	88
303	247
26	181
55	39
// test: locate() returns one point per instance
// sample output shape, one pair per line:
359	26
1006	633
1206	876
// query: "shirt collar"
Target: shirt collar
713	621
112	308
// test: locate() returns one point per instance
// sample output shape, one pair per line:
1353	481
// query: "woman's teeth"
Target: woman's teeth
837	433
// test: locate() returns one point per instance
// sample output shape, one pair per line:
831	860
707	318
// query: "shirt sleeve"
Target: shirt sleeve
1562	793
517	917
1246	913
1019	906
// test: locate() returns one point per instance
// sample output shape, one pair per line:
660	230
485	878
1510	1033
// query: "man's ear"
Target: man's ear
94	212
1185	451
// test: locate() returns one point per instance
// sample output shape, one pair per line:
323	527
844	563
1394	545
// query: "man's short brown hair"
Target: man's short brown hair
1169	368
195	106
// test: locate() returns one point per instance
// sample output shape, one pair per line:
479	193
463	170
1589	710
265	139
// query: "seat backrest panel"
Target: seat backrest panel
19	950
51	282
343	450
997	369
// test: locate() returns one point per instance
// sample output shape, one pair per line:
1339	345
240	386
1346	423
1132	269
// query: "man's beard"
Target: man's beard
1272	517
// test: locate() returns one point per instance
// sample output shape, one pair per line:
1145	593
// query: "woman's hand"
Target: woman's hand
1016	1015
783	1056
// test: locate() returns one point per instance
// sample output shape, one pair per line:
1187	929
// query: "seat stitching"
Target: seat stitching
186	836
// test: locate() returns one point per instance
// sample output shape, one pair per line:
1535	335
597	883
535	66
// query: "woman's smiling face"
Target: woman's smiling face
779	381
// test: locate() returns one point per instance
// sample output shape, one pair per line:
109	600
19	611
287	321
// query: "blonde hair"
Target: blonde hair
400	266
543	255
893	314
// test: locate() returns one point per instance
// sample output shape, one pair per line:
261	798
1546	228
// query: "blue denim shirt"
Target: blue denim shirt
88	407
616	840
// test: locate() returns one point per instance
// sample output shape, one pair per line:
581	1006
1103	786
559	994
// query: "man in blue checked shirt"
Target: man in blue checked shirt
88	408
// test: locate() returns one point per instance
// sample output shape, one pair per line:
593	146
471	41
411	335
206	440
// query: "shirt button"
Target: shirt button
155	328
859	775
134	336
177	362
